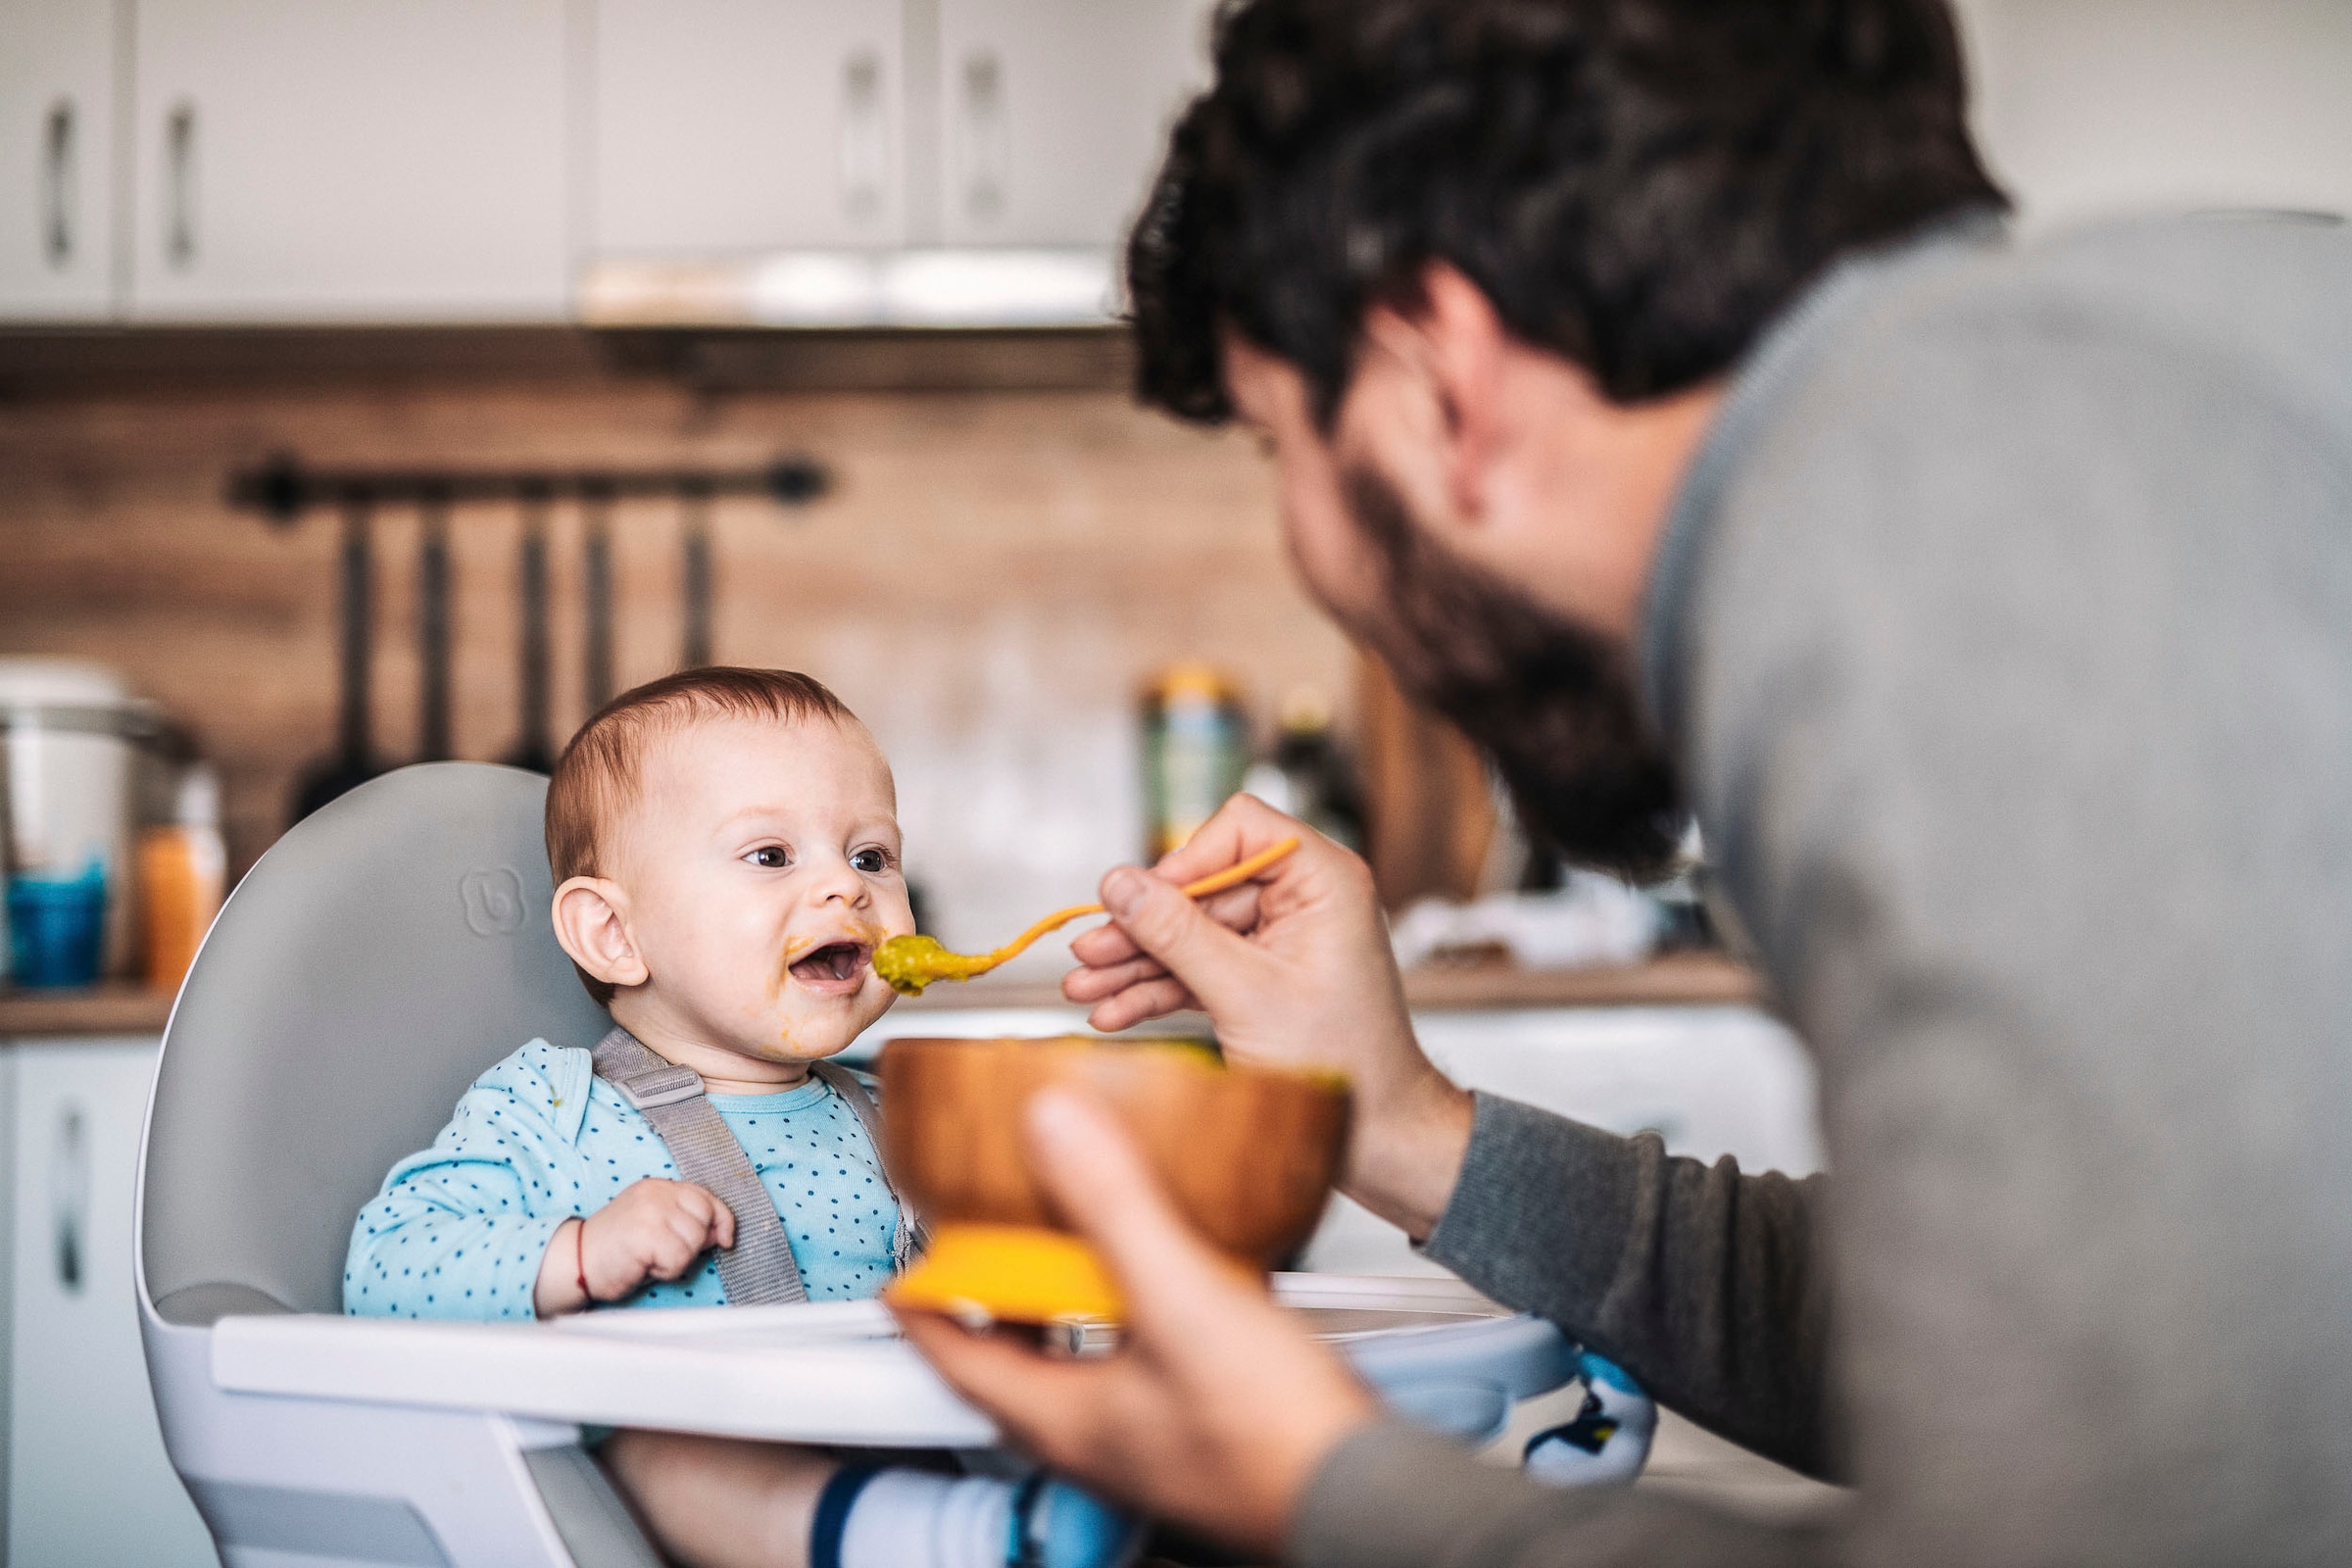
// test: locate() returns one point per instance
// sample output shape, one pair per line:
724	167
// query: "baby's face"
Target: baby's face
762	866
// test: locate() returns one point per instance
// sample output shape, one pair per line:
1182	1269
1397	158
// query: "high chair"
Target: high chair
381	955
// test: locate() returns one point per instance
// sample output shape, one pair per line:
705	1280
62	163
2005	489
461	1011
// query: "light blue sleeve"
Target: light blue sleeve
459	1230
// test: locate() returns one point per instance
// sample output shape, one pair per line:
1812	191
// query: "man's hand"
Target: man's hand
1297	971
1217	1408
655	1229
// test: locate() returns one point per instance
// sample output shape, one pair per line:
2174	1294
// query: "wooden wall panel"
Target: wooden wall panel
990	580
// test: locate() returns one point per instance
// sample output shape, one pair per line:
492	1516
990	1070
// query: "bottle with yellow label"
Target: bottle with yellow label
1196	748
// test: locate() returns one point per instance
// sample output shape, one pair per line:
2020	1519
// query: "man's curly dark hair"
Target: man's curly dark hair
1638	185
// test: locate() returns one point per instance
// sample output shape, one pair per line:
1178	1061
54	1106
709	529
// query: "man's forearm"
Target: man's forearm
1405	1150
1700	1280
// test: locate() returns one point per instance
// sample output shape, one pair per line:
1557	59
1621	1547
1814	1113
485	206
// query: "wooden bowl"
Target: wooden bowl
1248	1155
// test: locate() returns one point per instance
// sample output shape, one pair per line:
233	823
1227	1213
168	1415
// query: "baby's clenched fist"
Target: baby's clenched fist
654	1230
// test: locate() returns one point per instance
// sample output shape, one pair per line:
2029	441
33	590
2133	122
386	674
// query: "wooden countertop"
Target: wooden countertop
110	1009
1682	979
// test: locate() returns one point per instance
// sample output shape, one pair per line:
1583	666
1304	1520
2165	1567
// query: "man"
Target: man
1653	385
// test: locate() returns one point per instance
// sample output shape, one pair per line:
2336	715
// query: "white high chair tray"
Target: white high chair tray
824	1372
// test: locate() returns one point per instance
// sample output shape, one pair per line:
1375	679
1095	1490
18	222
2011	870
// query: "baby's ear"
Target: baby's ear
592	924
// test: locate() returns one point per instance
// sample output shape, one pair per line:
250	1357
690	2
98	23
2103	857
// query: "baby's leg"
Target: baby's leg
721	1502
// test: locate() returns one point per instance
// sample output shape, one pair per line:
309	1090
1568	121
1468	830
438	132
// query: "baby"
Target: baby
725	849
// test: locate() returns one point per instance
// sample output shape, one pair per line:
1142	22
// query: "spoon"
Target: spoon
912	963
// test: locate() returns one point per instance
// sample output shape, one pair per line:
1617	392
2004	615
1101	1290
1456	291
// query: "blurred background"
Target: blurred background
395	379
564	238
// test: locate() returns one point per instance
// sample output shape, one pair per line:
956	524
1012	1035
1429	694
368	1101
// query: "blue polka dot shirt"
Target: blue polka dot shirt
459	1230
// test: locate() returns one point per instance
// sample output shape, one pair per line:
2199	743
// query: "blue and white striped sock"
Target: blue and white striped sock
877	1518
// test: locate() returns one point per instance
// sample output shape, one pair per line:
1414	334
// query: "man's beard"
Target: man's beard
1550	702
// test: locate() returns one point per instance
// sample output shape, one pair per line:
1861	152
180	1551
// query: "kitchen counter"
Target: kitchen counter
112	1009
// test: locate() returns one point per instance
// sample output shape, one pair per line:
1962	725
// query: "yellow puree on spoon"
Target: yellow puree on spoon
912	963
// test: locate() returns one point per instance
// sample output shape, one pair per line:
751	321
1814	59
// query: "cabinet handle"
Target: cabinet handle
70	1199
180	157
985	154
57	184
865	148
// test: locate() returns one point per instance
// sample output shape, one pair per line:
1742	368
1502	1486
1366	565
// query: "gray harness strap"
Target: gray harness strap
909	1237
758	1268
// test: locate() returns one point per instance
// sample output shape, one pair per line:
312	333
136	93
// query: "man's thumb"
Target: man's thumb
1108	1191
1164	923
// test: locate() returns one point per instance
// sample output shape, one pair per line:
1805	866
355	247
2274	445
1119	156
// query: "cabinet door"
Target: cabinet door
369	159
87	1478
1055	113
57	137
726	126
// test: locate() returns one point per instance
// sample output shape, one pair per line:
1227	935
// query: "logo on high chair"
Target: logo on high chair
494	905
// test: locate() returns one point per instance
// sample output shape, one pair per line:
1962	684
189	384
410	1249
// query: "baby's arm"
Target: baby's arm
655	1229
460	1229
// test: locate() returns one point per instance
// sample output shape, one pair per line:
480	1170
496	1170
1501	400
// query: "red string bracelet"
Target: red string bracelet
579	1252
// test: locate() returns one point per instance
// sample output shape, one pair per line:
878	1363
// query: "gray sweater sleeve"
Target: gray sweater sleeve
1698	1279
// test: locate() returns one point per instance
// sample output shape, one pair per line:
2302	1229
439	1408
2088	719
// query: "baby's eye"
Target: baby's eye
773	857
873	863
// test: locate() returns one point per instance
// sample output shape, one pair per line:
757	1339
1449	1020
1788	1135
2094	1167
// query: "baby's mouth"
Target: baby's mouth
833	966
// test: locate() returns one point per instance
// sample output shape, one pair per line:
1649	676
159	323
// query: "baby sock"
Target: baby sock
873	1518
1607	1443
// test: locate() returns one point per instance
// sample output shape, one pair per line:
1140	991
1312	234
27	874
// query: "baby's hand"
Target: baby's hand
655	1229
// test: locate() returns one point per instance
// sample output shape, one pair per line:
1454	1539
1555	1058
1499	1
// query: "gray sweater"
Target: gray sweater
2004	629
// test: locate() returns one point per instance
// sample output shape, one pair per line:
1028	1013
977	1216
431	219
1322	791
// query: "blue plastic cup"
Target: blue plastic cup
57	928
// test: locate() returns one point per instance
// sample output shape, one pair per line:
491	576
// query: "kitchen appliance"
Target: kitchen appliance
72	736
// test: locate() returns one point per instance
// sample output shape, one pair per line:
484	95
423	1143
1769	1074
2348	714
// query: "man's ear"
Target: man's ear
1454	344
592	923
1468	346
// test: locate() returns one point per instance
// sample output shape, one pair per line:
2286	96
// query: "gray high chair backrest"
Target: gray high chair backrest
385	953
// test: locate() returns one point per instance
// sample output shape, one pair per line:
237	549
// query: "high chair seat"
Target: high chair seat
380	956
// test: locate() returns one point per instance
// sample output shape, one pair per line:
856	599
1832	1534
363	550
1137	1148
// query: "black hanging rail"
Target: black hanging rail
282	489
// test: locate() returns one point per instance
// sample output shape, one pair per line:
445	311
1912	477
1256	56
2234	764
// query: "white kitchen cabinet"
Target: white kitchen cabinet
1708	1081
56	148
87	1479
363	161
1053	114
734	125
